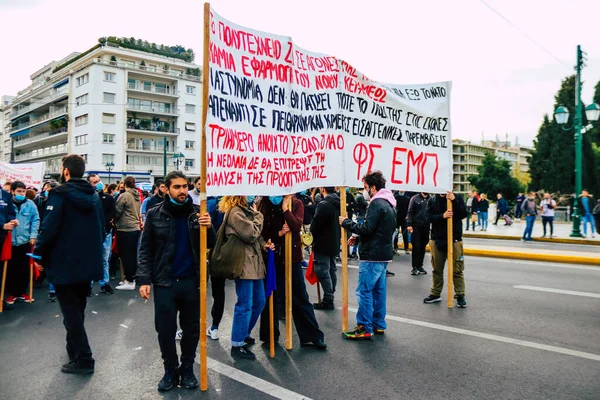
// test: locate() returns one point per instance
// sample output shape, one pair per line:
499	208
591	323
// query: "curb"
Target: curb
513	255
545	240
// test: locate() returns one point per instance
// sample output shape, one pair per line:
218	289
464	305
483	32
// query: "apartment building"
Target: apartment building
4	119
467	156
123	110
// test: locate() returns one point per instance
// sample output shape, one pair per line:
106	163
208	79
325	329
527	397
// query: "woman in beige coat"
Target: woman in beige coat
246	223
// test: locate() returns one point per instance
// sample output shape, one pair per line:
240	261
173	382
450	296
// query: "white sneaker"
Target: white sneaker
212	333
179	334
126	286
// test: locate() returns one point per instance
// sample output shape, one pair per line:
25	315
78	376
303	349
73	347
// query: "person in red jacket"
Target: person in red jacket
283	215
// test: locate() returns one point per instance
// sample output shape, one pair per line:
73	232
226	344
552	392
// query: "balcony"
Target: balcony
146	168
63	92
156	147
152	89
41	119
161	110
57	135
42	153
151	127
148	70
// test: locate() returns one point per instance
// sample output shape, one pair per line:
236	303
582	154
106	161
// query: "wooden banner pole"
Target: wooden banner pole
288	288
203	230
318	292
3	285
344	245
271	328
450	257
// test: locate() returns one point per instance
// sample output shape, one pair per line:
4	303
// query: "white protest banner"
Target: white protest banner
30	174
282	119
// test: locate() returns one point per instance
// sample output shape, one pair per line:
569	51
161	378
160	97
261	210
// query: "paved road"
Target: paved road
510	343
517	245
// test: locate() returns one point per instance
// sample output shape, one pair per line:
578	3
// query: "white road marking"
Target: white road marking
256	383
543	264
124	326
497	338
560	291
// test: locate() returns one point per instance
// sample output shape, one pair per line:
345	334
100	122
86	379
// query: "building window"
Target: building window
110	77
190	89
189	163
190	126
83	79
189	144
190	108
109	97
108	138
81	120
84	156
109	118
81	139
108	158
83	99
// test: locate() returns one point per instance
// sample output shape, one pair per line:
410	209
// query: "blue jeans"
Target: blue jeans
106	250
588	217
483	219
250	303
530	219
371	295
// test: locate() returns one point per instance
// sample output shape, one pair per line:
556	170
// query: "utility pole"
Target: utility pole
578	145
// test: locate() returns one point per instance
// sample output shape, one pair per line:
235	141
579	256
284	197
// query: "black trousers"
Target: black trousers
498	216
127	245
303	311
184	296
217	286
72	300
419	239
402	226
17	274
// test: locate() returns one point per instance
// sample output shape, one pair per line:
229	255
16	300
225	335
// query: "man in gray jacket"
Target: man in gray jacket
530	211
128	219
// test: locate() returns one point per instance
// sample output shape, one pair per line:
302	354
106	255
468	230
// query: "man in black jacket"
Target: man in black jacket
70	247
418	226
169	260
159	197
108	206
326	244
437	214
375	249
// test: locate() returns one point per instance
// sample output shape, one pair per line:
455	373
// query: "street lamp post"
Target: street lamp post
109	167
176	158
562	116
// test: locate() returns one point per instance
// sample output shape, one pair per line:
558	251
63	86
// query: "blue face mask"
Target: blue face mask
99	186
250	200
176	202
45	193
19	197
303	192
347	190
276	200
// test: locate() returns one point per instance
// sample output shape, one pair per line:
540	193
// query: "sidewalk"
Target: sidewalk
538	254
515	232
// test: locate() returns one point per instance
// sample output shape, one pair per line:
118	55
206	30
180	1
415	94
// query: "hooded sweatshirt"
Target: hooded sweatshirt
376	231
128	211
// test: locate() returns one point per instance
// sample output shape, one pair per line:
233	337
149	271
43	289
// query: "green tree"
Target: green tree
495	177
553	160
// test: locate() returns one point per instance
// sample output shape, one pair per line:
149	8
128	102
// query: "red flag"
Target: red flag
311	276
7	247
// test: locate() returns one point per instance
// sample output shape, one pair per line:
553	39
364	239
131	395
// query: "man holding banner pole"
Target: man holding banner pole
437	212
375	236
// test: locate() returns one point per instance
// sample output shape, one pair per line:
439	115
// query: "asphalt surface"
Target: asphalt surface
517	245
409	361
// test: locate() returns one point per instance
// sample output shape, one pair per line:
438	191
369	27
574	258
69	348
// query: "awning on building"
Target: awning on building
61	83
20	133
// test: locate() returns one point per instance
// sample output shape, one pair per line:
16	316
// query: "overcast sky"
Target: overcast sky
502	82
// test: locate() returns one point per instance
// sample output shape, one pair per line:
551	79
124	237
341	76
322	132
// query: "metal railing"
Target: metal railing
152	89
146	168
152	109
138	127
60	149
145	68
39	138
41	118
40	102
